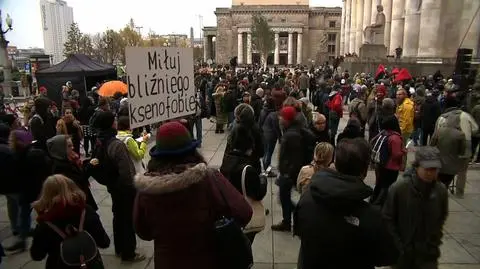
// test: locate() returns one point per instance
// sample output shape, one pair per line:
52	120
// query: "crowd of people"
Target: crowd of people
182	204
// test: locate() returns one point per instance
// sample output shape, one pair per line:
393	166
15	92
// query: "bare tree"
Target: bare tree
262	37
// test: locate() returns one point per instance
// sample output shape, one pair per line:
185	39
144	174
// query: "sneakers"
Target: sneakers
17	247
282	227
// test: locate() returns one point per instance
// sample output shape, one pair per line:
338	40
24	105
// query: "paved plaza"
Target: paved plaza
460	249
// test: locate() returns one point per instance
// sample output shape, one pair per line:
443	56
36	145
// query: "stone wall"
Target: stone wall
270	2
225	39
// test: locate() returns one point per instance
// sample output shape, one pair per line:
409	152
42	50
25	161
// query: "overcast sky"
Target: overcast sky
163	17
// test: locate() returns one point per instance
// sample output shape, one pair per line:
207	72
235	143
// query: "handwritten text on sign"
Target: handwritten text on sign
160	84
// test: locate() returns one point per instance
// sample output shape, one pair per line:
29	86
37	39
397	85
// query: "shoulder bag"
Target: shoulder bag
257	222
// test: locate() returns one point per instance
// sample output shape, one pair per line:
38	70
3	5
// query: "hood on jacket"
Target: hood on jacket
57	147
353	127
338	191
123	135
160	184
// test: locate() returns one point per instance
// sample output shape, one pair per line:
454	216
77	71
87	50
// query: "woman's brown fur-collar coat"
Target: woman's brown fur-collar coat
178	212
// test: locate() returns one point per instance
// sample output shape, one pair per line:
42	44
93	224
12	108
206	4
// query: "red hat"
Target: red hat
173	139
381	89
288	113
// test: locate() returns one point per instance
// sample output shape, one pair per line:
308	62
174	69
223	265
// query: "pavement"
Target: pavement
278	250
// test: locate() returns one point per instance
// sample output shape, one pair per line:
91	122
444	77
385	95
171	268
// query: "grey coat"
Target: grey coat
451	142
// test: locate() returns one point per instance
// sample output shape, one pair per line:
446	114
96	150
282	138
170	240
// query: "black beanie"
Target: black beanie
104	120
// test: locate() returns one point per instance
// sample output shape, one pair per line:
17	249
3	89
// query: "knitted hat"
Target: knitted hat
104	120
381	89
173	139
288	113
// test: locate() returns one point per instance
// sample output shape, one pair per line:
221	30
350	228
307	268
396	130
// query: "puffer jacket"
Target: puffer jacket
405	114
337	228
178	211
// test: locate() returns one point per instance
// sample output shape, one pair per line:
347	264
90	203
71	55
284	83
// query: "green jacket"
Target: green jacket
137	151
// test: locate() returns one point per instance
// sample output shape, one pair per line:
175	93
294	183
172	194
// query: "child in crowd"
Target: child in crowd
322	159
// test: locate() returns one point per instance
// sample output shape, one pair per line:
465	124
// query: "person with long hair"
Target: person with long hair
179	199
62	202
322	159
68	125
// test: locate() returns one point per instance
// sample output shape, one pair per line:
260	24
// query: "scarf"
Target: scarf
61	211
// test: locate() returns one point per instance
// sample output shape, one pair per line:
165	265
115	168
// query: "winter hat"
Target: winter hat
288	113
104	120
381	89
173	139
259	92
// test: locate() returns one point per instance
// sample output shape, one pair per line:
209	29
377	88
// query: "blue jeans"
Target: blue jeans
416	136
19	215
269	146
285	185
231	120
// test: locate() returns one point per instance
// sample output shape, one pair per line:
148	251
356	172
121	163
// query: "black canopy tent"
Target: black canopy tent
82	71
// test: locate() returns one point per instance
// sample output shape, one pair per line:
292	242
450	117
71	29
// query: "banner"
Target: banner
160	84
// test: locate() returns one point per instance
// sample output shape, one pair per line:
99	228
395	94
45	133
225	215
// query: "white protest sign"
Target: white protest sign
160	84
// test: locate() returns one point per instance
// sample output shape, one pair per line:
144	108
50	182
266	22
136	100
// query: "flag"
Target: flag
403	75
380	71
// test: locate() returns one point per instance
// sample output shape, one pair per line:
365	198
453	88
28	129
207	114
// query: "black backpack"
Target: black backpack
106	171
78	248
309	143
380	151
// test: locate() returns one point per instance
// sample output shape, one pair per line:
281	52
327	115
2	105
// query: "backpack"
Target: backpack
106	171
380	151
78	248
309	143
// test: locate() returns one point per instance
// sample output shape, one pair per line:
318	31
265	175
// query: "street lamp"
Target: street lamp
214	39
4	62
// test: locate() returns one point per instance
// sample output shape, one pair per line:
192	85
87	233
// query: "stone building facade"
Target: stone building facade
422	28
303	34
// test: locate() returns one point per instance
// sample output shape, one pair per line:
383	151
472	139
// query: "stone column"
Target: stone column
359	34
387	10
346	32
342	30
240	48
375	3
353	26
249	48
367	14
206	48
411	28
276	59
290	48
299	48
428	45
396	33
473	36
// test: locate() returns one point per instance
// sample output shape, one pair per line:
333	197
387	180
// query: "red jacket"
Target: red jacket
396	150
178	211
335	104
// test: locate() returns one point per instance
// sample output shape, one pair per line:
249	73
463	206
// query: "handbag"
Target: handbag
257	222
233	248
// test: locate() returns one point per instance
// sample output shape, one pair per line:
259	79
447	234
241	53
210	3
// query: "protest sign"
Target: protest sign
160	84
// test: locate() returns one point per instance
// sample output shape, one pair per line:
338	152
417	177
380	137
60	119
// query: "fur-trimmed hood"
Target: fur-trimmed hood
159	184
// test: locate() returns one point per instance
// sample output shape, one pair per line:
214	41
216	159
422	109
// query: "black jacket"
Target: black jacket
47	242
337	228
232	168
8	181
269	123
320	136
415	213
257	103
43	128
291	151
430	111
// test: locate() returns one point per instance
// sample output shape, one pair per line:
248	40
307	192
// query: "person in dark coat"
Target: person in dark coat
87	109
43	123
256	101
6	161
319	128
178	184
62	203
244	118
416	211
270	126
66	162
430	111
352	130
290	163
337	228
